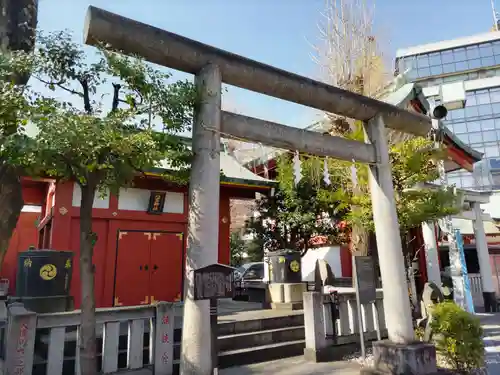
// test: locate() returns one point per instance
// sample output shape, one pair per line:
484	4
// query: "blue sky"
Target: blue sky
277	32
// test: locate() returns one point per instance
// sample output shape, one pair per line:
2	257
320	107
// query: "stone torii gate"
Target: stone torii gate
211	67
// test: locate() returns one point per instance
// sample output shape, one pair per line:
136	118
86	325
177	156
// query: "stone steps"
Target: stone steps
260	340
261	353
260	323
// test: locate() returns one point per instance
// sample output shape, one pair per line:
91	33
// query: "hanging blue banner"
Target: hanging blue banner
465	275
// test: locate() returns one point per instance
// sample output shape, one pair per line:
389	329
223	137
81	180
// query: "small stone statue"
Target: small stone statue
430	296
323	275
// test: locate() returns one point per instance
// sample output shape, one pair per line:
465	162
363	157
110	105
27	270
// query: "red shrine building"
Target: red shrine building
141	232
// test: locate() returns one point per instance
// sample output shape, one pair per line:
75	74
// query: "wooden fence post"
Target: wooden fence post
164	339
20	341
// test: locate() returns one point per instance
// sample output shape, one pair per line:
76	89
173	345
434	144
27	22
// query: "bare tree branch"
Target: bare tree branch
86	95
60	84
116	97
350	57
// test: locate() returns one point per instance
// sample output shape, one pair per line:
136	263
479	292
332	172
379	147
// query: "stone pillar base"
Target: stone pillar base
400	359
287	306
287	296
490	302
320	355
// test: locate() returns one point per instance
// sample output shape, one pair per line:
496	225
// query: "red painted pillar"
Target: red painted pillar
224	228
346	261
61	221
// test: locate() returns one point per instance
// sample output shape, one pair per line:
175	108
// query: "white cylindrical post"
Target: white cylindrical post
203	216
483	256
431	253
396	301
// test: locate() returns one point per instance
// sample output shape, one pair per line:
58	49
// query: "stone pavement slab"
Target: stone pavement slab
286	366
228	306
491	328
294	366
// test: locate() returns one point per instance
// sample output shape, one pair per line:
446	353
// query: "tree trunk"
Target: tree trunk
359	235
18	19
87	336
11	204
410	272
359	240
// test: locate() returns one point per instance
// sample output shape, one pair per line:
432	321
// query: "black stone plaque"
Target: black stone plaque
156	202
213	282
365	279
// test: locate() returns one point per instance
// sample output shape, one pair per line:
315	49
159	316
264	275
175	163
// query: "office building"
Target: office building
475	61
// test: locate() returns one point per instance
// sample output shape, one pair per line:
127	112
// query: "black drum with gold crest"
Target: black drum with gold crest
285	267
44	273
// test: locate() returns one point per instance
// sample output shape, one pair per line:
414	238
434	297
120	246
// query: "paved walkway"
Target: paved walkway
247	310
298	366
287	366
491	327
294	366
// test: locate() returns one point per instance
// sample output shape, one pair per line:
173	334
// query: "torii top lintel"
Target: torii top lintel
187	55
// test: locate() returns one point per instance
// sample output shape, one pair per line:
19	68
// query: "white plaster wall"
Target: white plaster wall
331	254
174	203
99	202
30	208
493	207
138	199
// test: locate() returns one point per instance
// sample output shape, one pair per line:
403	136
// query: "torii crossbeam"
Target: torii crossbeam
213	66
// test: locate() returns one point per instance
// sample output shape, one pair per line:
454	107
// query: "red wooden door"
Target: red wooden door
132	269
167	266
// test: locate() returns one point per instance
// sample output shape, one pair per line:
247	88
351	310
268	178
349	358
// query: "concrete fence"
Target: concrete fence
148	337
48	343
325	336
476	289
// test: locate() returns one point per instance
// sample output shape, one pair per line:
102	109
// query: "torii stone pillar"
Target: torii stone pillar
431	253
483	256
203	224
400	354
396	301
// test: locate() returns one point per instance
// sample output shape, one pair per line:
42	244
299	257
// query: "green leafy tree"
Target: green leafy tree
103	141
237	248
414	164
254	249
458	337
18	20
295	214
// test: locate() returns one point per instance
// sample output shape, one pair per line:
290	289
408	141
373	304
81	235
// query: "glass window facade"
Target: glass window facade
431	81
477	125
451	61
